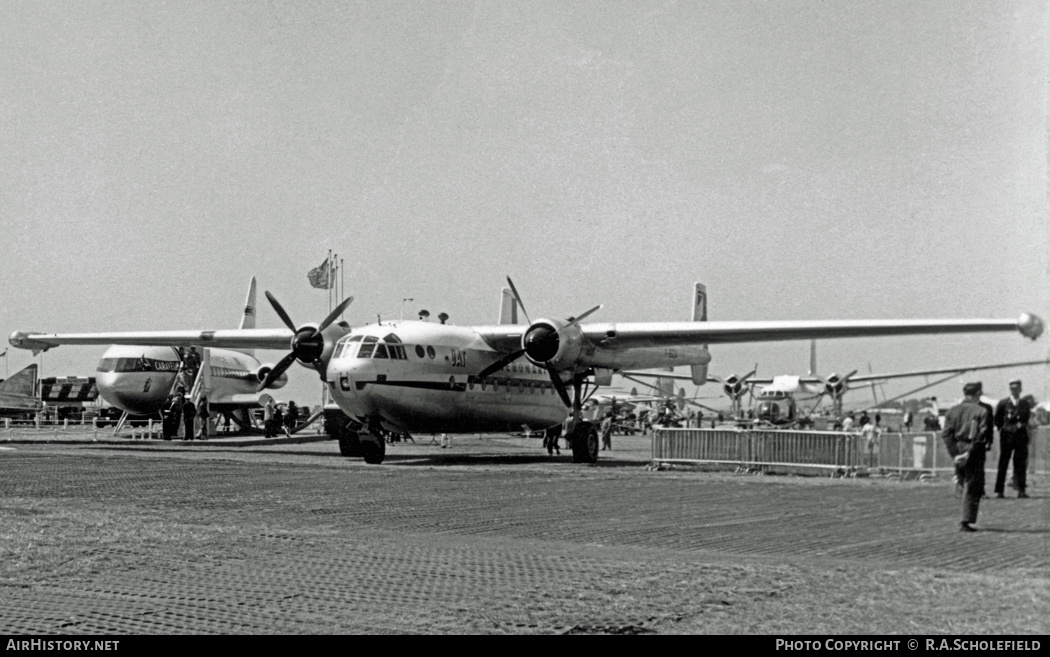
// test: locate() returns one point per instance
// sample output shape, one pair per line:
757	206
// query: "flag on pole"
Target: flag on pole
320	276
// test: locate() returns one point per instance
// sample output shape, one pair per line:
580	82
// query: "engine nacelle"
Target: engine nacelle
553	341
310	346
264	371
835	386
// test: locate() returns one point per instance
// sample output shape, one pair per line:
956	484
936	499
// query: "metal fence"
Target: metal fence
763	450
921	454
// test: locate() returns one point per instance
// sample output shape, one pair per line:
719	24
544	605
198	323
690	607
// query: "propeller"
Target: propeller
307	343
836	385
541	343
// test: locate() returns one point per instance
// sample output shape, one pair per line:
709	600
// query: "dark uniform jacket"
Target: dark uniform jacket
964	425
989	435
189	411
1012	419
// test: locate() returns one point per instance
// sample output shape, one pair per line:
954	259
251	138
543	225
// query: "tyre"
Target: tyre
350	444
585	443
374	450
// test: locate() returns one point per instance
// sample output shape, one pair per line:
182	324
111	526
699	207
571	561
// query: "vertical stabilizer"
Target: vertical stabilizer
248	319
22	384
699	372
700	303
508	308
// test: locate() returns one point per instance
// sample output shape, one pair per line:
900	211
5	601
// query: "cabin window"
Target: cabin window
431	352
419	350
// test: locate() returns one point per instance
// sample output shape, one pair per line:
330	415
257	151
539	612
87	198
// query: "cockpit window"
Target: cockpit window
390	338
371	338
380	351
366	350
355	338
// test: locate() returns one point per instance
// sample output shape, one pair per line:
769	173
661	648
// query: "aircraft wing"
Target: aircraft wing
945	370
751	380
224	339
666	334
239	400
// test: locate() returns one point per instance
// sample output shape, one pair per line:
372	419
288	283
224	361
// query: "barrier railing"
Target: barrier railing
921	454
715	446
764	450
802	450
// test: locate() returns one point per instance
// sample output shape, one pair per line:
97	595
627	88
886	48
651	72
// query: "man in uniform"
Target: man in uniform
1011	418
965	428
989	435
189	415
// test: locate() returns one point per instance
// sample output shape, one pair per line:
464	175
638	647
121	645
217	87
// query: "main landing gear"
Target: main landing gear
584	441
374	444
583	436
371	446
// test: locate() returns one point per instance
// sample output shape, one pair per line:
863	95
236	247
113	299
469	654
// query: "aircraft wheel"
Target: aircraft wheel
350	444
585	443
374	450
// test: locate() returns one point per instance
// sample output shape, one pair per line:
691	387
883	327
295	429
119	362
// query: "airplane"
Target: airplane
778	388
418	376
18	393
139	378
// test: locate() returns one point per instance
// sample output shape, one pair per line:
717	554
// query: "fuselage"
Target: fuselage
139	378
420	377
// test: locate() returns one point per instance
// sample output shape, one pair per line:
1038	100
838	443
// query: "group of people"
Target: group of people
968	434
191	365
180	410
274	418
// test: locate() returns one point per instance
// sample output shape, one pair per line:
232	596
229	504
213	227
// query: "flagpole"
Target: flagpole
342	283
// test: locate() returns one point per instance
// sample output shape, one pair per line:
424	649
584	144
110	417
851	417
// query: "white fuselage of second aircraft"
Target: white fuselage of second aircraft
139	378
419	377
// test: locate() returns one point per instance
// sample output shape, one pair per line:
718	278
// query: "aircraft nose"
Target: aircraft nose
133	393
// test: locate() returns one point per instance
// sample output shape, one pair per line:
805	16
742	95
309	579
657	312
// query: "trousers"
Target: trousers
1016	446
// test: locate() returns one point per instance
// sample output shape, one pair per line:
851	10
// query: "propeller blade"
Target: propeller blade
501	363
276	372
580	318
559	385
517	297
335	313
280	312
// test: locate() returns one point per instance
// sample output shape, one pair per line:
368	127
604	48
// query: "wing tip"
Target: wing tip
1031	326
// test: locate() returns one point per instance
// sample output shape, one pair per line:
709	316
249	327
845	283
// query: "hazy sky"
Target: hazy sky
805	160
